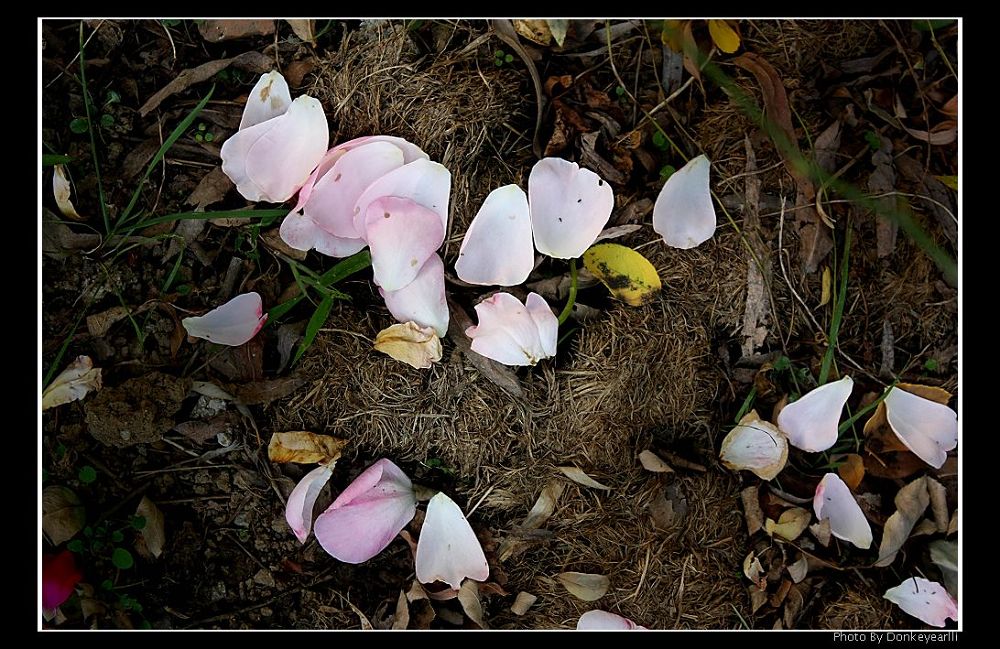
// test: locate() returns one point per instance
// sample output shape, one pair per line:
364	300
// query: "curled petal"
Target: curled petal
925	600
598	620
569	207
497	248
423	300
299	509
269	98
683	213
402	235
834	500
755	445
422	181
811	422
545	321
271	160
448	549
411	152
927	428
59	577
509	334
302	233
367	515
233	323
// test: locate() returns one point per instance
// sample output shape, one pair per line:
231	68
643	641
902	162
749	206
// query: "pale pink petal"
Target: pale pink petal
569	207
545	321
422	181
508	333
367	515
927	428
497	247
269	98
811	422
402	235
302	233
411	152
448	549
299	508
270	161
598	620
834	500
683	213
233	323
423	300
331	201
925	600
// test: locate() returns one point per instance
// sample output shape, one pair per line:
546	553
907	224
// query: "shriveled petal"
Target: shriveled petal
545	321
506	331
233	323
332	198
422	181
927	428
925	600
834	500
811	422
497	247
270	161
59	577
448	549
402	235
367	515
598	620
269	98
755	445
423	300
683	213
299	509
302	233
569	207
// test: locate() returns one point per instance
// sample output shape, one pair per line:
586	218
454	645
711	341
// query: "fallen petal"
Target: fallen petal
59	577
411	152
402	235
927	428
598	620
299	509
834	501
73	383
508	333
811	422
545	321
925	600
423	300
422	181
569	207
417	346
269	98
367	515
755	445
233	323
497	248
302	233
683	213
448	549
62	189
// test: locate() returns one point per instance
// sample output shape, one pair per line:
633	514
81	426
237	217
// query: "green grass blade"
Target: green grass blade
50	159
57	361
223	214
838	309
315	322
347	267
87	106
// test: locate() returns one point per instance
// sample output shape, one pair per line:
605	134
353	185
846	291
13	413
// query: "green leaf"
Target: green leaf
107	584
49	159
122	559
117	537
87	474
78	125
932	25
112	98
346	268
76	545
138	522
107	121
783	363
931	365
666	171
222	214
660	141
315	322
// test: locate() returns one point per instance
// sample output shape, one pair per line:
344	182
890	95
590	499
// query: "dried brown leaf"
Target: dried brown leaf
793	605
939	503
253	62
578	476
419	347
468	597
852	470
757	309
590	158
751	509
272	239
401	618
681	463
304	29
758	598
303	447
540	512
98	324
62	513
536	31
211	189
152	537
586	586
754	571
911	502
497	373
777	598
800	568
652	462
522	603
227	29
260	392
617	231
826	148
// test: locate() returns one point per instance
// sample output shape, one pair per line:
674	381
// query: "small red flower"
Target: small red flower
59	578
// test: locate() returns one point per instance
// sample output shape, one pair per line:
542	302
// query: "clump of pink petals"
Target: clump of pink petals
513	333
233	323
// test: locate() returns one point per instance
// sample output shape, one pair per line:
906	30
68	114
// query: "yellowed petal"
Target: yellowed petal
790	525
410	343
303	447
755	445
62	188
627	274
73	383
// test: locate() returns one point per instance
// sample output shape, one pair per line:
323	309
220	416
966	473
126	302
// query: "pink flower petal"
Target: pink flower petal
927	428
683	213
302	233
269	98
925	600
411	152
834	500
59	577
512	333
402	235
569	207
271	160
423	300
598	620
422	181
299	509
448	549
367	515
233	323
497	248
811	422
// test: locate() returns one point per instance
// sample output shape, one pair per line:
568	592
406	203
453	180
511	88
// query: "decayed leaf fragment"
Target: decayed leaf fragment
627	274
652	462
911	502
578	476
62	514
73	383
152	536
62	188
586	586
755	445
522	603
303	447
417	346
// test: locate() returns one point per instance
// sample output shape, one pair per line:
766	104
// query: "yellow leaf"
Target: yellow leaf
724	36
627	274
536	31
672	34
827	280
304	447
416	346
790	524
949	181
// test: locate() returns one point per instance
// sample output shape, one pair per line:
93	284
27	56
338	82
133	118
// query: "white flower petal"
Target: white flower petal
299	509
269	98
448	549
422	181
233	323
925	600
835	501
755	445
423	300
598	620
811	422
545	321
302	233
683	213
411	152
508	333
569	207
497	248
402	235
927	428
